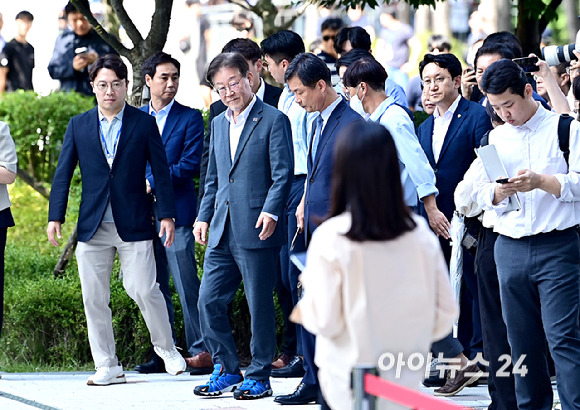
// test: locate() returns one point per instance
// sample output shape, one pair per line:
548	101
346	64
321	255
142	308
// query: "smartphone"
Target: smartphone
502	180
80	50
528	64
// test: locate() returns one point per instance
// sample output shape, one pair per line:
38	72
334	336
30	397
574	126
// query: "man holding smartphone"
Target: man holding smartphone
539	287
75	50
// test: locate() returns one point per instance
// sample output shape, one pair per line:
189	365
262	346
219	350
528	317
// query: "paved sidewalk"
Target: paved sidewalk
27	391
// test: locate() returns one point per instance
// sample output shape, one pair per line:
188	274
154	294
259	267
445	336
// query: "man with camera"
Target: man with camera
539	287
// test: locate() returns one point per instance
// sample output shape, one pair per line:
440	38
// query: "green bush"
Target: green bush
38	125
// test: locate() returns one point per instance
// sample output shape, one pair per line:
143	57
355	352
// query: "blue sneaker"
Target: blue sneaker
219	382
253	389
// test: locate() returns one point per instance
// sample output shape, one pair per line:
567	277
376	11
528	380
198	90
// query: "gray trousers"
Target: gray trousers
95	261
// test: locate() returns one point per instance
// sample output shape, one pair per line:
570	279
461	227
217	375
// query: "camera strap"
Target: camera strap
564	135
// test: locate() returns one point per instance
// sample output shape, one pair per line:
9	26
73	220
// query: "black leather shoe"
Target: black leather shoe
294	368
155	365
304	394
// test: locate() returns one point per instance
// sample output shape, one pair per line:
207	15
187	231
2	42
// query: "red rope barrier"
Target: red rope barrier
405	396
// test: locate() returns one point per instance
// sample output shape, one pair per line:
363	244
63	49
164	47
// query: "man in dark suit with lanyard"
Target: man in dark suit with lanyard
264	91
112	143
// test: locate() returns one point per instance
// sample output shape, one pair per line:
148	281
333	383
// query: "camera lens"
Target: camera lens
554	55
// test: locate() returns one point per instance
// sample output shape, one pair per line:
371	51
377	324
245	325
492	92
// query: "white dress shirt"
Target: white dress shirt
441	125
300	122
534	146
261	90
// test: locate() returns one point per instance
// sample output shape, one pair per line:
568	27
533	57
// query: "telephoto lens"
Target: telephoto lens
554	55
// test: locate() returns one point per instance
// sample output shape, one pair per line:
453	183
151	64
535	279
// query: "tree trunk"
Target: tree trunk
422	19
441	19
37	186
572	23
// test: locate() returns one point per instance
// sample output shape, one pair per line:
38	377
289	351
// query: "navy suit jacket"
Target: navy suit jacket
469	123
317	199
183	141
123	184
271	97
258	180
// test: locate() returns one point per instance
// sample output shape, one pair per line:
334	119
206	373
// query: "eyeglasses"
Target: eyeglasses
428	82
230	87
326	38
116	86
571	70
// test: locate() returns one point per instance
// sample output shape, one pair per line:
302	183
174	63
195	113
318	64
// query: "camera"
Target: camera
554	55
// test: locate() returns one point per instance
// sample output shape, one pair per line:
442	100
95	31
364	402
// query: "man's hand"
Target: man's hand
300	215
80	62
147	186
200	232
468	81
526	180
502	191
168	229
437	219
268	225
52	230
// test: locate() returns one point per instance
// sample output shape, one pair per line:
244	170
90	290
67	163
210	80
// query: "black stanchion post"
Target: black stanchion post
362	400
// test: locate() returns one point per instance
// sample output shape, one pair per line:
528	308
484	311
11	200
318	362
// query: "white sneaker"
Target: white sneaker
174	362
107	375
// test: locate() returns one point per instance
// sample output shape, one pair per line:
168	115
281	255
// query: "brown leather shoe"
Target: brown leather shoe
462	378
201	363
281	361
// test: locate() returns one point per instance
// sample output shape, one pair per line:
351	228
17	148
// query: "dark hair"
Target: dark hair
358	37
24	15
492	114
561	68
493	49
227	60
576	88
366	182
504	75
283	45
110	61
150	65
246	47
332	23
506	39
368	70
71	8
439	42
446	60
353	55
309	69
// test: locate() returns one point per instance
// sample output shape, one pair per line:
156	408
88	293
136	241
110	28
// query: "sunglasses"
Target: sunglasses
326	38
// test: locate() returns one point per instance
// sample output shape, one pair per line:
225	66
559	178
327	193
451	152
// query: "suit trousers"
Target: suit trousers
95	262
287	283
179	259
225	266
495	342
539	283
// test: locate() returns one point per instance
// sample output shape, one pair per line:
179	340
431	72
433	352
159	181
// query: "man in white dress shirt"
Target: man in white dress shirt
537	250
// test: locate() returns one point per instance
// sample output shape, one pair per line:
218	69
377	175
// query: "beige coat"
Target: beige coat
364	299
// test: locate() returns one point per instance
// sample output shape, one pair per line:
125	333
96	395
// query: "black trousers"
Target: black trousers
2	248
495	341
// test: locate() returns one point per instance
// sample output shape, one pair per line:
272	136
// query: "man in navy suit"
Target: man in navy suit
449	138
264	91
181	130
248	181
309	78
112	143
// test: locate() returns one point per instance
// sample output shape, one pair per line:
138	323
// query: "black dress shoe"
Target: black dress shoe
294	368
155	365
304	394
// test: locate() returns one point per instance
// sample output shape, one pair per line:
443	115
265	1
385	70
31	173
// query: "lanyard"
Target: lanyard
110	155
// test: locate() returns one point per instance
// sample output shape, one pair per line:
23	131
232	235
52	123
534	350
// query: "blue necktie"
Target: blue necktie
317	126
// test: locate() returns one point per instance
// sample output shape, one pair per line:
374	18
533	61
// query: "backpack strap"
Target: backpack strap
564	135
485	139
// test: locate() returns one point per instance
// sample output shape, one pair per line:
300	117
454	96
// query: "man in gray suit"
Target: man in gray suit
247	185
